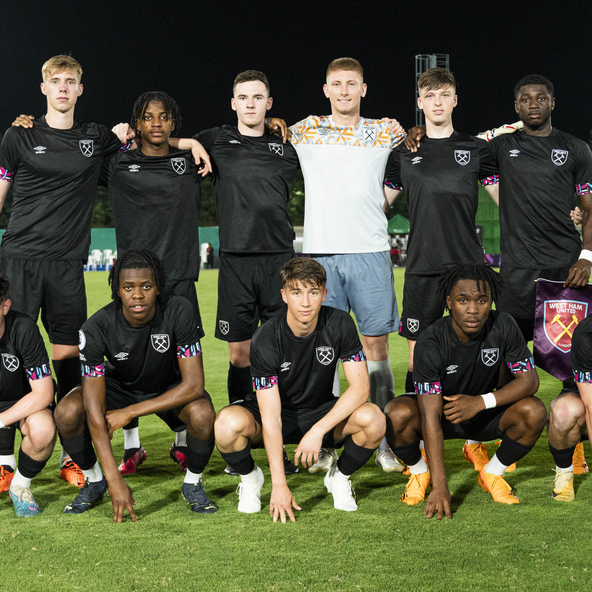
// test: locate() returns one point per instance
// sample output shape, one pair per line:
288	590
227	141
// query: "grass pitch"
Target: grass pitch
539	544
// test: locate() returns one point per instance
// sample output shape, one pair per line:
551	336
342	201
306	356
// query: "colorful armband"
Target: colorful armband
262	383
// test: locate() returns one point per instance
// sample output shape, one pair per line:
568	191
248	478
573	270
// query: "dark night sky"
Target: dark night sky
193	50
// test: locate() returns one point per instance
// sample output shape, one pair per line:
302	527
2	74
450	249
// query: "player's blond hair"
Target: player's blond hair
349	64
436	78
61	63
305	271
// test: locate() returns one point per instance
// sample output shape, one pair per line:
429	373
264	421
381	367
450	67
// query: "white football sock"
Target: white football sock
181	438
251	477
21	481
558	469
131	438
419	468
473	442
495	467
64	456
94	474
192	477
8	460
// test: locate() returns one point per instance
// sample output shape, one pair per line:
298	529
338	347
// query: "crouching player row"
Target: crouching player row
458	362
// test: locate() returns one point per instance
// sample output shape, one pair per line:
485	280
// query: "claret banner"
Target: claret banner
559	311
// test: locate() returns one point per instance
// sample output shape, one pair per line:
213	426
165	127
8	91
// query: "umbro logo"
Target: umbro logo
40	149
122	356
514	153
451	369
134	168
233	142
416	160
285	366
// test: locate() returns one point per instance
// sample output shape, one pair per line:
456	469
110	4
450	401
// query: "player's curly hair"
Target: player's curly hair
4	286
482	273
136	259
170	106
534	79
305	271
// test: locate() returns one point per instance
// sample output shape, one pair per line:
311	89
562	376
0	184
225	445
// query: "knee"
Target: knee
398	415
372	421
201	414
534	413
69	415
40	429
564	412
228	425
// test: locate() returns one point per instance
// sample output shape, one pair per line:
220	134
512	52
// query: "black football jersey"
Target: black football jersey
141	360
581	351
304	367
55	175
155	203
24	356
441	184
251	181
444	365
539	179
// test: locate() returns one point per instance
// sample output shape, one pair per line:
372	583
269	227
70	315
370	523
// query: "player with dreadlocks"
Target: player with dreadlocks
153	366
154	183
458	362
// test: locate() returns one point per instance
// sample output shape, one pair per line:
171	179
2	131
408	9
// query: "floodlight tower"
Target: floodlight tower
423	62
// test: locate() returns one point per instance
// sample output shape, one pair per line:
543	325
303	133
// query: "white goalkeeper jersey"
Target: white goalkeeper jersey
343	170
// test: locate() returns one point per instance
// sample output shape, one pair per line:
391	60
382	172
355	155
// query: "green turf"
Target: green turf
539	544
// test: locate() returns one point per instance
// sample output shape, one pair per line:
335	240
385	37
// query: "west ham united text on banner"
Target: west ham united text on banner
559	311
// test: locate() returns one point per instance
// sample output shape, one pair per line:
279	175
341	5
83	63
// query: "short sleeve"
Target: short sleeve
207	137
9	156
518	357
30	346
351	346
488	169
426	366
91	344
581	352
393	171
583	173
108	169
264	358
495	145
186	330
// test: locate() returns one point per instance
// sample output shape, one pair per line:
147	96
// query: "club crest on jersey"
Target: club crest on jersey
559	157
276	148
178	165
224	327
463	157
490	356
325	354
370	135
560	319
11	363
413	325
160	342
87	147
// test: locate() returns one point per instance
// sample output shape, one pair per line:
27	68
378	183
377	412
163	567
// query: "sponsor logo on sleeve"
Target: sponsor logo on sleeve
81	340
452	369
285	366
123	356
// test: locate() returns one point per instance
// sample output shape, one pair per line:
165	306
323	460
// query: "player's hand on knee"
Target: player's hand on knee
117	418
23	121
438	504
414	135
281	503
579	274
308	449
122	499
462	407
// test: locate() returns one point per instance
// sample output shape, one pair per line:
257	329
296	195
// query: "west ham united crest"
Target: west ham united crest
178	165
325	354
87	147
161	342
276	148
561	318
11	363
559	157
413	325
490	356
370	135
463	157
224	327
